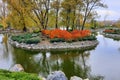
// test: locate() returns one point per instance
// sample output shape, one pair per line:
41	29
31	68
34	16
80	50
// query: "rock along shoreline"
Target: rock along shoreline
80	45
114	36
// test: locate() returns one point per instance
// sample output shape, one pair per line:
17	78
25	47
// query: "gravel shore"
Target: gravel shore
81	45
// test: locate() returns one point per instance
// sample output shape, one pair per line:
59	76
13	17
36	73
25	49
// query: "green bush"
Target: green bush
1	26
117	31
36	31
32	41
7	75
90	38
29	38
80	39
57	40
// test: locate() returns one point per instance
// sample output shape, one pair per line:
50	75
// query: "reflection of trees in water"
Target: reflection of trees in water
71	63
5	46
5	42
119	49
25	58
5	52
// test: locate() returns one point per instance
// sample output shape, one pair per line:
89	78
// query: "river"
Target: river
101	61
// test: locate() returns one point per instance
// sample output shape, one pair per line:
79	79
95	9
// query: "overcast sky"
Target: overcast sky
112	12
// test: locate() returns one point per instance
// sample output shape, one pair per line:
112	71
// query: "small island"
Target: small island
112	33
56	39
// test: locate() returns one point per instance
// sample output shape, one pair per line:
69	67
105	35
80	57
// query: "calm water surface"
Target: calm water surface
101	61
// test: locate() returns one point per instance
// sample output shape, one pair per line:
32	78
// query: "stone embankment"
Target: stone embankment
9	31
114	36
81	45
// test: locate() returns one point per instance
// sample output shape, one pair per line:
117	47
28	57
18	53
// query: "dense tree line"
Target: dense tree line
45	14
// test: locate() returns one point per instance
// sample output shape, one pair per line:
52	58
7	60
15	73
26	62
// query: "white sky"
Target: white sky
112	12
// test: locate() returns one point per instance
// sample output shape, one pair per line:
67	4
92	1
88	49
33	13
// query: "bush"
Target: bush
57	40
36	31
88	38
112	31
29	38
1	26
91	37
117	31
32	41
7	75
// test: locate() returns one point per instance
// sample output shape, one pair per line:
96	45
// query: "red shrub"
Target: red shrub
108	31
46	32
66	35
85	33
80	33
57	33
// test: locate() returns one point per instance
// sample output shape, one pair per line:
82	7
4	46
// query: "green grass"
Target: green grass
7	75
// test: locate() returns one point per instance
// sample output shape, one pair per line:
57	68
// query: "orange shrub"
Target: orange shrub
80	33
57	33
66	35
46	32
108	31
76	34
85	33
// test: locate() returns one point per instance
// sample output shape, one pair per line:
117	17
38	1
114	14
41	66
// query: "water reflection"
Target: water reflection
6	59
103	60
72	63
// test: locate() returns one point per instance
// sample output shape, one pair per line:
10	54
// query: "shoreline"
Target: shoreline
113	36
80	45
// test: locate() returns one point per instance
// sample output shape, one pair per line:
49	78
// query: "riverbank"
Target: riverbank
113	36
46	45
10	31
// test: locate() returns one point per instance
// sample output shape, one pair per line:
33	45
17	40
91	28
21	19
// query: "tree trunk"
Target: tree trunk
56	23
68	19
73	22
83	25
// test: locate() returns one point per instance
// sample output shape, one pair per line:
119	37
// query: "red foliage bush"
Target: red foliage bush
80	33
66	35
85	33
57	33
46	32
108	31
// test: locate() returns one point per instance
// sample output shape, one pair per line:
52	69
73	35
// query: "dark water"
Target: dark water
101	61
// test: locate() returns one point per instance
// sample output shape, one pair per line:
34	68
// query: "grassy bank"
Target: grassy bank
7	75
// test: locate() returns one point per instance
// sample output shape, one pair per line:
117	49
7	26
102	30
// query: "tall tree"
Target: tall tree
17	7
89	6
19	14
72	13
3	13
66	5
76	11
56	6
41	11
